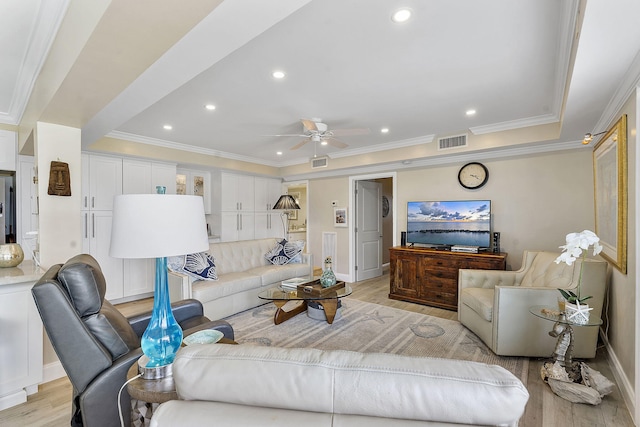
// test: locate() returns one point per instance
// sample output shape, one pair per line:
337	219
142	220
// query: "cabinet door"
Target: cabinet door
139	276
246	230
105	181
163	175
246	193
268	225
405	280
85	181
229	192
136	177
229	222
99	242
200	182
267	191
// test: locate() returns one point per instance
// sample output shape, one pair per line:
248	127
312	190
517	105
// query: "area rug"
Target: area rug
372	328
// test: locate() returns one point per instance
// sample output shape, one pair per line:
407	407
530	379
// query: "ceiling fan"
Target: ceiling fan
315	131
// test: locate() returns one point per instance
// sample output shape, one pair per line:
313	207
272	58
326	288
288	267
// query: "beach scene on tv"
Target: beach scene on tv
463	222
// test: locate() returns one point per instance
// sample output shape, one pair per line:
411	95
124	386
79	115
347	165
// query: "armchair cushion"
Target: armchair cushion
545	272
84	282
479	300
112	330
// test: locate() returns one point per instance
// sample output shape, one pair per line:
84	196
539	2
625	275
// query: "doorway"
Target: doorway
374	229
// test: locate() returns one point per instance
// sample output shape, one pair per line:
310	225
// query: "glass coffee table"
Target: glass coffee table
282	295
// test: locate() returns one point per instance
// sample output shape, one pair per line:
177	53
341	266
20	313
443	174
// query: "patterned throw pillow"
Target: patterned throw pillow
200	266
284	252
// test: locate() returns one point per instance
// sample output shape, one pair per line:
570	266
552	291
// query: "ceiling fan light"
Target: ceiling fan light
384	130
278	74
210	107
324	142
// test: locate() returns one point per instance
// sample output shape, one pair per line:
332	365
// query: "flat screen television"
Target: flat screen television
448	223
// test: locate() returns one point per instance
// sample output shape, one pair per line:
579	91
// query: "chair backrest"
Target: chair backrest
86	331
540	270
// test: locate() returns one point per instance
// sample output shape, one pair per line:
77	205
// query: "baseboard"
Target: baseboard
12	399
52	371
626	388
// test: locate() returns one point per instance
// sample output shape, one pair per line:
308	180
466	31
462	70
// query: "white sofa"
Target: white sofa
243	272
236	385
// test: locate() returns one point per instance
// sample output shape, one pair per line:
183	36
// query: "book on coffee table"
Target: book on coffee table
292	284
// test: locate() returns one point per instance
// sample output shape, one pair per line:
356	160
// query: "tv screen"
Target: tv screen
448	223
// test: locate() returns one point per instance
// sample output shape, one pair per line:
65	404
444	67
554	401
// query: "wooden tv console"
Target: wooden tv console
430	276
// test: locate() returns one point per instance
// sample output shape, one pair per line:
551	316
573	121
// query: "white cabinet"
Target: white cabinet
267	192
21	348
237	226
237	192
268	224
195	183
142	177
101	182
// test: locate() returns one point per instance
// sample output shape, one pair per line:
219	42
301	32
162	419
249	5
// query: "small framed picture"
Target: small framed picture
340	217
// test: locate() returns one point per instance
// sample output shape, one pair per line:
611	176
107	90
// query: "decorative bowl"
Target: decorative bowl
207	336
11	255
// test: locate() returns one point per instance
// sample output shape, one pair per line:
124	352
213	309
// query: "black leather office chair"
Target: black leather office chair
96	344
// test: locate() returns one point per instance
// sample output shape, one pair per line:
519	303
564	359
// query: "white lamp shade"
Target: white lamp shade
157	225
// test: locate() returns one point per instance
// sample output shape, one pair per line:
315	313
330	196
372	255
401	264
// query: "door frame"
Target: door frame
352	204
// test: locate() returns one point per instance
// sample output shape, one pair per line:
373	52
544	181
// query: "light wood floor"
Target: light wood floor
51	406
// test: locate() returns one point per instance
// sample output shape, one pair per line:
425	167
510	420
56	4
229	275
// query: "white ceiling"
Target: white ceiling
348	64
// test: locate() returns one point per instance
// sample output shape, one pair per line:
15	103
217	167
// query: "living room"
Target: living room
540	177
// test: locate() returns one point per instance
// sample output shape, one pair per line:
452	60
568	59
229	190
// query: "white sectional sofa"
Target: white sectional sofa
241	385
243	272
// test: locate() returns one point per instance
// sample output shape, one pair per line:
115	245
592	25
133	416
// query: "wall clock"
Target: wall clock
473	175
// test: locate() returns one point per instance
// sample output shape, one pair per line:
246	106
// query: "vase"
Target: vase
328	278
577	313
11	255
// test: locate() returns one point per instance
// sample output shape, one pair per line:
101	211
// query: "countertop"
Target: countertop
26	271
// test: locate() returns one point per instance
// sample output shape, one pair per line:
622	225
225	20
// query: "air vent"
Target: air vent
319	162
452	142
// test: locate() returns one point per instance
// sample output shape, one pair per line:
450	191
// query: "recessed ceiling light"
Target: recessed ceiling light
384	130
279	153
210	107
323	142
401	15
278	74
167	127
471	112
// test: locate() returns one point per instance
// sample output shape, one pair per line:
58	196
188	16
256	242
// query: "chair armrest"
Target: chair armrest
182	311
468	278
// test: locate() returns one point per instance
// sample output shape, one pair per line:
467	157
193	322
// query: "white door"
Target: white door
368	230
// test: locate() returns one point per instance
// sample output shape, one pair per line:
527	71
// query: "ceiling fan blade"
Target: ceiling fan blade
300	144
334	142
309	125
288	134
346	132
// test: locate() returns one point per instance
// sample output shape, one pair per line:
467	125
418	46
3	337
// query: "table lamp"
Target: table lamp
158	226
286	202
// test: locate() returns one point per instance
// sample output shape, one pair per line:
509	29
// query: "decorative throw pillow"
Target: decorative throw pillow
283	252
298	258
200	266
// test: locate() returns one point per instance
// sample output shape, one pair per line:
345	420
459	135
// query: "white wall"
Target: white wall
60	229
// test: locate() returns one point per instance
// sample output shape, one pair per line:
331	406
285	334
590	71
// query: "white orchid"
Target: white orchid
577	247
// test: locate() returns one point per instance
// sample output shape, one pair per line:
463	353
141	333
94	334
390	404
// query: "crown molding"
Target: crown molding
544	119
426	139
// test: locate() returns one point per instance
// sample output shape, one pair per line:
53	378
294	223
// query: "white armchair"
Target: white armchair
495	304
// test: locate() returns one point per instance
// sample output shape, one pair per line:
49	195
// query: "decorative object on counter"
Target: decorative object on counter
328	278
11	255
286	202
577	246
59	179
158	226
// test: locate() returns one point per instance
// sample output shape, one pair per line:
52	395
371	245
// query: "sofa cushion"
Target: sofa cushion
479	300
232	257
227	284
200	266
283	252
272	274
345	382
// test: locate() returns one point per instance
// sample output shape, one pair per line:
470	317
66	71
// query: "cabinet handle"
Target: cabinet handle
86	224
93	225
240	205
93	201
85	201
240	221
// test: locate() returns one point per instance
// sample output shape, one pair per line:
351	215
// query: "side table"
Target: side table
563	330
146	395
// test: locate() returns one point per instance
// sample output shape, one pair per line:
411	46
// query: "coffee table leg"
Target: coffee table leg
330	307
283	315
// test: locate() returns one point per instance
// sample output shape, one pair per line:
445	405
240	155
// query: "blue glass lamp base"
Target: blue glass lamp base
163	336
